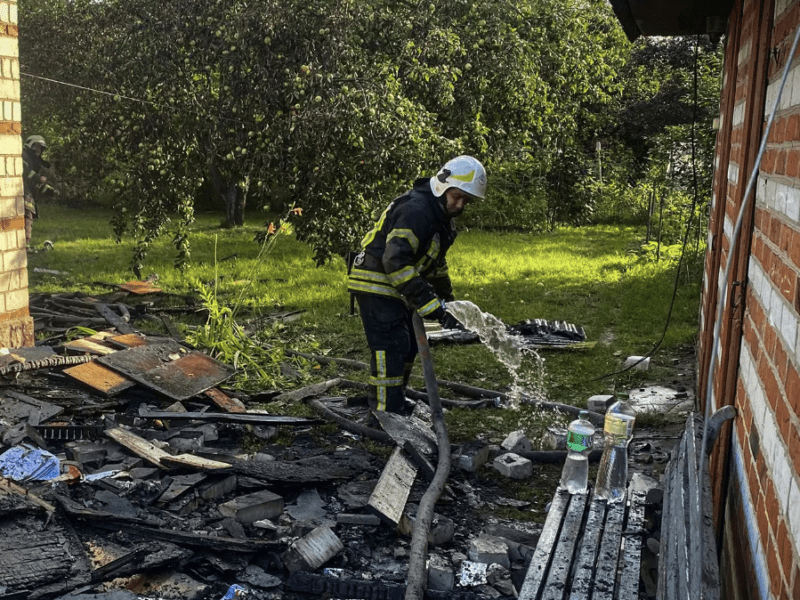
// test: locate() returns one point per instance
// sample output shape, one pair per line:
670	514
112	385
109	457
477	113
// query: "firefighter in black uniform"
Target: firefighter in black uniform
402	267
34	183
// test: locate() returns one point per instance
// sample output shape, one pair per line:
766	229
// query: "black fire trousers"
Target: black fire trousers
390	336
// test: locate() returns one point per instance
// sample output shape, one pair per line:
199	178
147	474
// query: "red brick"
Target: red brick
775	231
782	417
768	161
793	250
796	587
786	238
792	162
793	441
769	338
792	131
771	506
786	550
779	360
792	386
775	580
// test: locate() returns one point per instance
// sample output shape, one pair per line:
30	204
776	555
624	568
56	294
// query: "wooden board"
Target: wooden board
99	378
139	446
89	346
608	557
561	567
540	562
388	499
583	582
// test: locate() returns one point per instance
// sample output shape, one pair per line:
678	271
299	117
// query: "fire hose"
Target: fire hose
415	580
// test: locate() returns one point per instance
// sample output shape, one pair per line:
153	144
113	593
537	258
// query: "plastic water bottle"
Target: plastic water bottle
612	475
580	437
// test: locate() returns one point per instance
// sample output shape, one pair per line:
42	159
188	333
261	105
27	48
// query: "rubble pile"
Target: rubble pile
124	472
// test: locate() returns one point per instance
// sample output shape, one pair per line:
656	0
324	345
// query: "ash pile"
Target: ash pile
124	473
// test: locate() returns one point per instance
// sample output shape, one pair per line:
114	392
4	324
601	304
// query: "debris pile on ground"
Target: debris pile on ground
124	472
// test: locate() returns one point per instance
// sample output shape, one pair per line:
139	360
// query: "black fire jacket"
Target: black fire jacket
403	256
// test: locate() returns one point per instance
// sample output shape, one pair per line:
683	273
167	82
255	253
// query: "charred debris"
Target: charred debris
122	475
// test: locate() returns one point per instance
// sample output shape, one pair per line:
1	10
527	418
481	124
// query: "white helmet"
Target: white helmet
463	172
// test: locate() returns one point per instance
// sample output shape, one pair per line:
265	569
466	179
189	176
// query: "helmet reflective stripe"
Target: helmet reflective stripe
467	178
463	172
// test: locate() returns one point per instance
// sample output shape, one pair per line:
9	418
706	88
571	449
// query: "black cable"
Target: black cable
686	233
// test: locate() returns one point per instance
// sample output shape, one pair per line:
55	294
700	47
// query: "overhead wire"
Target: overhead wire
687	231
118	96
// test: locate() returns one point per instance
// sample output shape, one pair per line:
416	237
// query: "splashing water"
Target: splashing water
508	349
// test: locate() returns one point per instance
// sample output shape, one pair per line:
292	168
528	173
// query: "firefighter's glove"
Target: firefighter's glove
448	321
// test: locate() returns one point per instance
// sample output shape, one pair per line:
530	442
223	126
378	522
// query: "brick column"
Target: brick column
16	324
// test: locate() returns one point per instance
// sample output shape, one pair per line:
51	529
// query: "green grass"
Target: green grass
593	277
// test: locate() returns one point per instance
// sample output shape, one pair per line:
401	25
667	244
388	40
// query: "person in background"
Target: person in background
401	267
34	183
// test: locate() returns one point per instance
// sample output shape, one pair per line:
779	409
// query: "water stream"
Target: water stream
524	365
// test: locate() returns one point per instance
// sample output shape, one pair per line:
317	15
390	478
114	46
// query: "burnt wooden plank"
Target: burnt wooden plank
194	462
114	319
681	507
583	582
15	496
99	378
225	402
388	498
139	446
710	577
632	547
239	417
608	556
693	505
540	561
15	407
33	556
556	581
345	464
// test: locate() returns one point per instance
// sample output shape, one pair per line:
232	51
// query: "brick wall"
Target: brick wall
16	326
757	472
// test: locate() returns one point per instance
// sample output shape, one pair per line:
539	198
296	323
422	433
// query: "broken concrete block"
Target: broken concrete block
555	438
516	551
313	550
517	441
513	466
186	441
472	573
265	524
253	507
89	455
599	403
472	456
500	579
441	531
217	489
353	519
441	576
489	551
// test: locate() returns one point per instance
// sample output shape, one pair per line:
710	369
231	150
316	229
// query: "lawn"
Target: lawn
594	277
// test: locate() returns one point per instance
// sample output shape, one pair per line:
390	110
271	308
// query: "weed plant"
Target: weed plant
595	277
